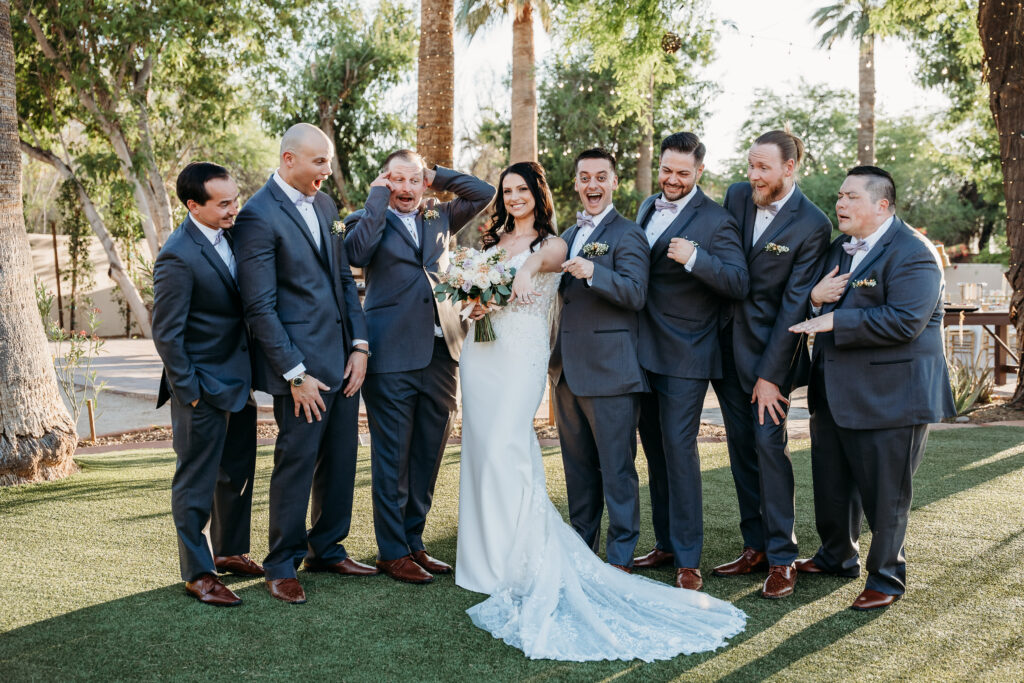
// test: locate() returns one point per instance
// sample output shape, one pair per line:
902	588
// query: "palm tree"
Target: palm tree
435	123
853	18
37	437
474	15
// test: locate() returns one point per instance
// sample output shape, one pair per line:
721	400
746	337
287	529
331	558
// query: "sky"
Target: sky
771	44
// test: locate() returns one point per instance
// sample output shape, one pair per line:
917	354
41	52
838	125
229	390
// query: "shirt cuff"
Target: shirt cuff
294	372
357	342
815	311
590	282
690	261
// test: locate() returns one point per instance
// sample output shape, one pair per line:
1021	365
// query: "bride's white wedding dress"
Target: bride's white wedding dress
551	596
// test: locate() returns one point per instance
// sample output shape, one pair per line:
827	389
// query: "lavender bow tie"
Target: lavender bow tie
660	204
304	198
851	248
772	208
584	220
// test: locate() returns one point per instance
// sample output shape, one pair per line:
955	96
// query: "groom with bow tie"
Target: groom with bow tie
594	367
200	334
878	377
785	236
697	267
401	242
303	308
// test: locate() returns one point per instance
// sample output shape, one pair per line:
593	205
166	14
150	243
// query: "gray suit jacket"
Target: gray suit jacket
400	277
780	285
301	304
198	328
884	364
679	325
596	335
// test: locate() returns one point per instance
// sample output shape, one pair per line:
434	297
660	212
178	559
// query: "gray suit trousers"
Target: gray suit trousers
212	483
865	472
598	439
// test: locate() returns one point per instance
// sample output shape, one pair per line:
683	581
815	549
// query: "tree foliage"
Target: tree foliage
352	62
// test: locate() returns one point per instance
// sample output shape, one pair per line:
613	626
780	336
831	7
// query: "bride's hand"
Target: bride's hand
522	288
478	310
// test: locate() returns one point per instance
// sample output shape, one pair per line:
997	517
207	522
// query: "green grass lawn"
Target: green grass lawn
89	588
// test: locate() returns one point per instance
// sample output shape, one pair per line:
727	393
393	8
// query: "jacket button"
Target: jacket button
244	347
426	301
338	321
565	301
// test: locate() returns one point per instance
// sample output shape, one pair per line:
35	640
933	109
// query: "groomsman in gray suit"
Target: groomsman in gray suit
594	366
785	237
303	308
200	334
697	266
878	377
401	242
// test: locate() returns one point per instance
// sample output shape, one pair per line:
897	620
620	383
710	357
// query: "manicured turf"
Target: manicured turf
89	588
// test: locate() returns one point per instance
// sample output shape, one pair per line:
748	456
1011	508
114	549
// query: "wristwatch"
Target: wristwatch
297	380
356	349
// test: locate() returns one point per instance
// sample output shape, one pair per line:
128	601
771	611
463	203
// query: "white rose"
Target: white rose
495	277
482	281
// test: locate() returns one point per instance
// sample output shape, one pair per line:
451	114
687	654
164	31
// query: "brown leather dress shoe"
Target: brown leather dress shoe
869	599
287	590
780	583
347	567
208	589
808	567
655	558
241	565
749	561
621	567
432	565
687	577
405	569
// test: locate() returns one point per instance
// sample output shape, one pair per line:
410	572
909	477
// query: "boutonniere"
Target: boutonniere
593	249
338	228
773	248
865	282
431	214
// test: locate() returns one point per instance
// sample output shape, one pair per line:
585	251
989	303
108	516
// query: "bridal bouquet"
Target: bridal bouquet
477	277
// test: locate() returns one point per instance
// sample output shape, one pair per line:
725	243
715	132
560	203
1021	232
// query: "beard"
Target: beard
671	194
772	193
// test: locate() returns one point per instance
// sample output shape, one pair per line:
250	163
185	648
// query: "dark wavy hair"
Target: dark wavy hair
543	210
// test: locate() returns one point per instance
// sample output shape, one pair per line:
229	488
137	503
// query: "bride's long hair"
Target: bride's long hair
543	211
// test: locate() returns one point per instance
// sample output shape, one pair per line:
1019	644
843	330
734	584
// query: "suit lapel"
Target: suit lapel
676	227
646	209
872	256
209	252
325	239
781	221
749	216
396	223
599	230
288	207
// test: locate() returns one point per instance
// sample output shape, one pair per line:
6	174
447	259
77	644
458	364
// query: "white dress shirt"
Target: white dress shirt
305	208
763	217
871	240
661	219
410	224
222	247
309	215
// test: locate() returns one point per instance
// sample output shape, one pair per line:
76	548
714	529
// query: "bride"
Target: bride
550	595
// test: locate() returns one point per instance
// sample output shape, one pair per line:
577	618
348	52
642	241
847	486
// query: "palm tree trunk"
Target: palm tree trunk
1001	26
524	89
37	437
435	128
866	113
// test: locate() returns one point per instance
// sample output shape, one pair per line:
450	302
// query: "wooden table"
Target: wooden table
997	325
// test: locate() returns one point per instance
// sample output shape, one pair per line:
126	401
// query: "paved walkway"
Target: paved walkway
131	369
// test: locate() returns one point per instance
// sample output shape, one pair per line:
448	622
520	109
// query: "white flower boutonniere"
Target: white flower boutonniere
338	228
431	214
773	248
594	249
865	282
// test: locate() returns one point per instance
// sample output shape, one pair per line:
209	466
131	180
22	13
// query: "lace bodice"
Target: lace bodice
546	284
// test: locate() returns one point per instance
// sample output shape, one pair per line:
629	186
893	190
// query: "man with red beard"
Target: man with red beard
698	267
785	237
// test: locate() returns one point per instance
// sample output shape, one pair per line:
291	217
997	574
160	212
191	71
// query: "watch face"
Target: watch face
297	381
